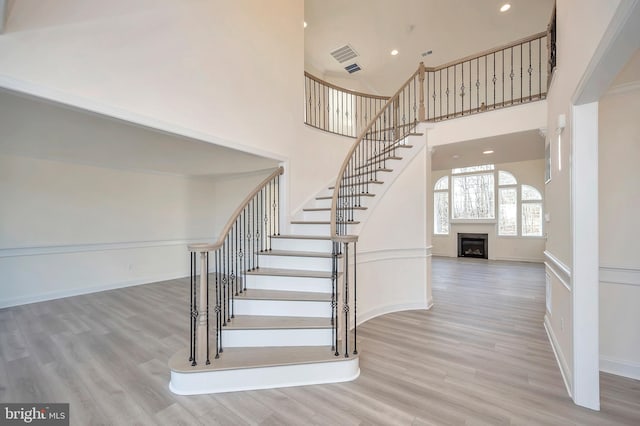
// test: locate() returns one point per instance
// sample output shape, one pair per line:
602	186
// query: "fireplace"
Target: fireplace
473	245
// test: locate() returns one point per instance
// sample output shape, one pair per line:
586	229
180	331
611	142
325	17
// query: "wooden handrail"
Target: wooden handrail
202	247
345	163
487	52
342	89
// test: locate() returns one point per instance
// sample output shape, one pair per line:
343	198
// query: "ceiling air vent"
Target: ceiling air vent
344	53
352	68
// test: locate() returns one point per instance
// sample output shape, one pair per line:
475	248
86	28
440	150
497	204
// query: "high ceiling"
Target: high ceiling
452	29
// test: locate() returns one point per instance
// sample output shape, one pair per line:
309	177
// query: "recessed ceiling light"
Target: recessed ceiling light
394	52
456	156
305	24
505	7
488	152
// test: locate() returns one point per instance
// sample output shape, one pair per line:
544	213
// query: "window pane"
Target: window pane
473	196
472	169
531	219
506	178
441	213
442	183
508	211
530	193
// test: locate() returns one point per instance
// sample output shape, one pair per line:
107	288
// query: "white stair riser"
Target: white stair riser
321	246
283	308
313	229
269	282
323	215
364	202
264	377
308	229
296	262
326	215
276	337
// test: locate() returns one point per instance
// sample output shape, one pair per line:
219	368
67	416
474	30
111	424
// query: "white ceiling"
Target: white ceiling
453	29
35	128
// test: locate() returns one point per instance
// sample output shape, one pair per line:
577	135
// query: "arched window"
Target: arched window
470	190
441	206
531	212
507	204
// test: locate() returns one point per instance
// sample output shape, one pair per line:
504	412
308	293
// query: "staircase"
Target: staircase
281	330
284	307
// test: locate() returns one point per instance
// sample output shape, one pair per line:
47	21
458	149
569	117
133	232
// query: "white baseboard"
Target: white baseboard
620	367
560	359
52	295
521	259
387	309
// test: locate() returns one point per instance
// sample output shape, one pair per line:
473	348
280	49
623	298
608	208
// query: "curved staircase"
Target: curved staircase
281	333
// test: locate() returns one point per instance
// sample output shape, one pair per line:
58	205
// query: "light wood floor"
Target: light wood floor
480	356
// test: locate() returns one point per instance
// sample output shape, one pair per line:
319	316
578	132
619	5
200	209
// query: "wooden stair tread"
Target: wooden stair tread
330	197
328	209
374	161
265	322
280	272
370	172
366	182
256	357
281	295
296	253
321	222
302	237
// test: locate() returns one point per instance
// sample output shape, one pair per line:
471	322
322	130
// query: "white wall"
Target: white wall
530	116
581	25
529	249
393	251
229	73
70	229
619	151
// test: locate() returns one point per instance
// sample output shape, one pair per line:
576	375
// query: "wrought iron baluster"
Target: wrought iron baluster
218	307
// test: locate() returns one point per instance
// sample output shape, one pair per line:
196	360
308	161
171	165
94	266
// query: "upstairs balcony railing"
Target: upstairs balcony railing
337	110
512	74
509	75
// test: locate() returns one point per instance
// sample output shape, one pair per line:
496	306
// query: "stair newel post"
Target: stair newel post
193	312
206	268
355	298
217	309
334	304
345	300
200	305
276	205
